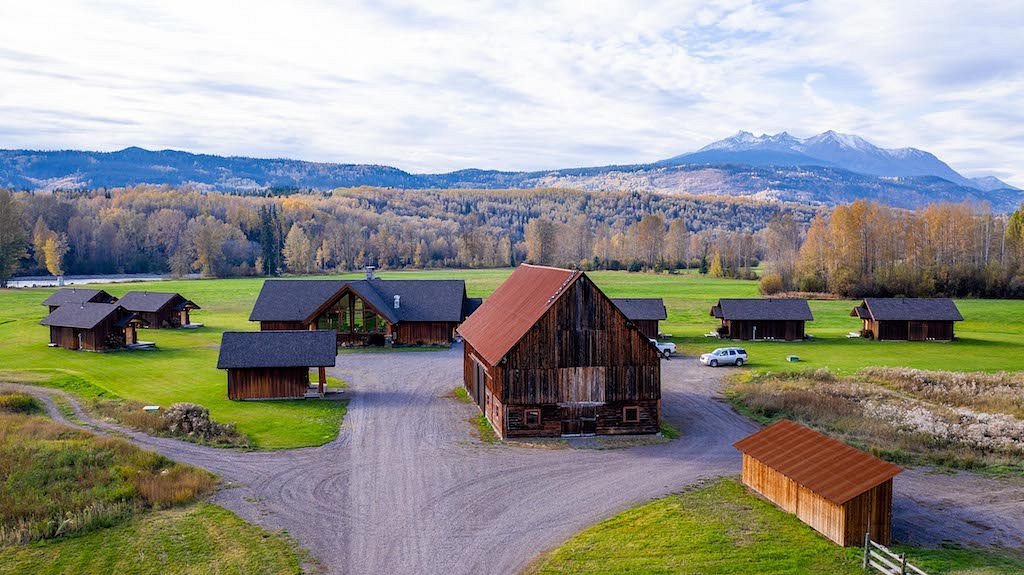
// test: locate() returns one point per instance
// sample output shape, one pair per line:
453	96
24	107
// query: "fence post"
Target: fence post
903	564
867	548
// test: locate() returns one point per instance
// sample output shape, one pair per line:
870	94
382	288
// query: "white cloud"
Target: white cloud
514	86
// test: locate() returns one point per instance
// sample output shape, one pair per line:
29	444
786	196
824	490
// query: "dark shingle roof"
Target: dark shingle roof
471	305
784	309
75	295
420	300
249	349
640	309
82	316
152	301
824	465
293	300
912	309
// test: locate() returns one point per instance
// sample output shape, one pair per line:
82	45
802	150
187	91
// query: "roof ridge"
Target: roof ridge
558	292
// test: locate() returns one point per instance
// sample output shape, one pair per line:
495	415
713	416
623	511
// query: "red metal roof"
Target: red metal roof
514	308
824	465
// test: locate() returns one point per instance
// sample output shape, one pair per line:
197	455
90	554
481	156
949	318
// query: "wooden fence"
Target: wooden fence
882	559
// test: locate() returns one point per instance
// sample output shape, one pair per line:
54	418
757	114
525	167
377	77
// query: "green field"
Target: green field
722	529
183	368
197	540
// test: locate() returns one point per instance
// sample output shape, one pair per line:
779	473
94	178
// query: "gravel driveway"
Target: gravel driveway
407	489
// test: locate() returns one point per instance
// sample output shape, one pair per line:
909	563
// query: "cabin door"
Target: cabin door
579	420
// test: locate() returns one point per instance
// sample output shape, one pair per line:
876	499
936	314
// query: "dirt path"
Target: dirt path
406	489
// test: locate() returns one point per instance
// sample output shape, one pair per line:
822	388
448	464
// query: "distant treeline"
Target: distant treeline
180	231
859	249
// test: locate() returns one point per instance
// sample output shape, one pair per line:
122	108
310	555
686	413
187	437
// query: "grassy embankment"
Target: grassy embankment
722	529
74	502
184	367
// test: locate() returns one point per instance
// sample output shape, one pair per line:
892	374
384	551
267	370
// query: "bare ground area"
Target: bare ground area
406	489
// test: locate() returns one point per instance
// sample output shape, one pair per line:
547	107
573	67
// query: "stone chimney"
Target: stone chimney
398	302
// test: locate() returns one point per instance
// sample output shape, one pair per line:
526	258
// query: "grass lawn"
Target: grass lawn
724	530
199	540
184	366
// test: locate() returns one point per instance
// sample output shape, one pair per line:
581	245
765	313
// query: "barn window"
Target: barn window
631	414
531	416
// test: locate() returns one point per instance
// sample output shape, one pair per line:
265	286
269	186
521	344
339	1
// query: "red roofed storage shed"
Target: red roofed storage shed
840	491
548	354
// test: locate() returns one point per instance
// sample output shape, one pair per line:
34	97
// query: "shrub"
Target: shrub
193	421
19	403
770	284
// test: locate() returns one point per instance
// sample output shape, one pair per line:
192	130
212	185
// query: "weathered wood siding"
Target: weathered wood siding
910	330
582	352
844	524
104	337
648	327
424	332
282	325
268	383
744	329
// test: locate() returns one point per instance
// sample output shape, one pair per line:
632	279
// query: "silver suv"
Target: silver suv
725	356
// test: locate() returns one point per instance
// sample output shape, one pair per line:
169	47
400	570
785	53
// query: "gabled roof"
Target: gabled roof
908	309
824	465
152	301
75	295
83	315
293	300
777	309
514	308
471	305
419	300
301	348
641	308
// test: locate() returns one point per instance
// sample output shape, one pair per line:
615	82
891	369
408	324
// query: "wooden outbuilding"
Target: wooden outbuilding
913	319
159	309
77	296
92	326
548	354
841	492
367	312
275	364
771	318
645	312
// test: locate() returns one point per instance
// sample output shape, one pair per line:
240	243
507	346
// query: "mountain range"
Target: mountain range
827	169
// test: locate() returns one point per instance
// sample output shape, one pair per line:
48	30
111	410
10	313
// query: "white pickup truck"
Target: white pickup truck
665	348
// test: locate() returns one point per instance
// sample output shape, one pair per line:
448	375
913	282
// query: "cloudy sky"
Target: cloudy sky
512	85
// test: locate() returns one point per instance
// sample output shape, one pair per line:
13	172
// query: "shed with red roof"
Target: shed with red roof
838	490
548	354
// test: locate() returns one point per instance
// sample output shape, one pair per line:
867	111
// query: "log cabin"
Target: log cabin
840	491
92	326
162	310
644	312
548	355
912	319
372	311
753	318
77	296
275	364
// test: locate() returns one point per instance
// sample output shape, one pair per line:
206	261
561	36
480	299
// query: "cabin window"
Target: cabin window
631	414
531	417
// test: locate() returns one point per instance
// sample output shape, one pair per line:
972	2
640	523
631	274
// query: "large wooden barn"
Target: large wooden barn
548	354
914	319
840	491
159	309
77	296
773	318
644	312
92	326
275	364
367	312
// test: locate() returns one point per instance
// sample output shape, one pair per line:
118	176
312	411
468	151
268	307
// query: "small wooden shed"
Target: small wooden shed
769	318
913	319
92	326
840	491
159	309
548	354
77	296
644	312
275	364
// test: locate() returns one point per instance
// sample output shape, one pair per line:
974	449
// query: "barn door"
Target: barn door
578	419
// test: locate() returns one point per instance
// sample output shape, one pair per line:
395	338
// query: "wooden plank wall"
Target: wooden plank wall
424	333
648	327
785	330
268	383
282	325
870	512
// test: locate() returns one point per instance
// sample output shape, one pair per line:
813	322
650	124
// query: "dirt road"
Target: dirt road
406	488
